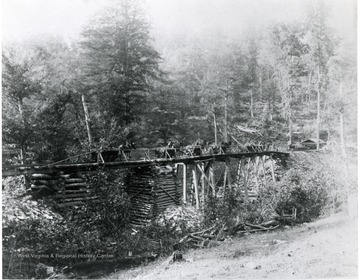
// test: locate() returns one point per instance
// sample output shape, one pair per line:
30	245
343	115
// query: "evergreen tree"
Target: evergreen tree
120	62
290	50
18	85
321	48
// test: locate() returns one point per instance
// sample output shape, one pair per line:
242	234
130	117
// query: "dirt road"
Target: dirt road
326	248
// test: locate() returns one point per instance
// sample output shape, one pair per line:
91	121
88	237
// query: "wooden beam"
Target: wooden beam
263	169
272	169
256	163
195	182
184	181
206	177
243	168
228	175
212	181
202	170
225	178
238	175
209	164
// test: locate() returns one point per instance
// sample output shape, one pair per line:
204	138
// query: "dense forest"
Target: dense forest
280	84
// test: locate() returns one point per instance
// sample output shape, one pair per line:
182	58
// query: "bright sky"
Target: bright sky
22	19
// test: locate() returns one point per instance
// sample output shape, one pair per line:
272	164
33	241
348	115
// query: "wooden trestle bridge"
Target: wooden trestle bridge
165	175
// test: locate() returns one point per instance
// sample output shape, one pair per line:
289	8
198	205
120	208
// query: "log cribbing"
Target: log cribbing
151	189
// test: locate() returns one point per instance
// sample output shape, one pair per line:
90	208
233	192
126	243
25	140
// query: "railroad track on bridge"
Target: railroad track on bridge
14	170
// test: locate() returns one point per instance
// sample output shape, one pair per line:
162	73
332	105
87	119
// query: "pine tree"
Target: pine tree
321	48
18	84
290	50
120	61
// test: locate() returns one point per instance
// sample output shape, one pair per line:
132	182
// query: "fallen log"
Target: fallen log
70	185
45	182
269	223
196	237
81	199
74	180
74	191
78	195
255	230
41	176
255	226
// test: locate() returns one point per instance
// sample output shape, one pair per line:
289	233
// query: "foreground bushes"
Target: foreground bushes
311	186
98	229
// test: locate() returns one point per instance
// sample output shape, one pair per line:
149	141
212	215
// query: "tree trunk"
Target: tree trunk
289	97
215	126
270	104
309	91
318	112
260	85
341	118
23	147
21	109
225	121
87	120
290	129
22	155
252	103
21	112
342	137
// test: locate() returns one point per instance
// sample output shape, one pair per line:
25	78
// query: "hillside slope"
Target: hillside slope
326	248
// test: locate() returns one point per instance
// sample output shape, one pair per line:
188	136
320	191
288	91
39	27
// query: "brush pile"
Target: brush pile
209	237
181	217
203	238
24	209
18	205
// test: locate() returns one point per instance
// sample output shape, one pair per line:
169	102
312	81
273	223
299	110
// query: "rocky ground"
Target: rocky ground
326	248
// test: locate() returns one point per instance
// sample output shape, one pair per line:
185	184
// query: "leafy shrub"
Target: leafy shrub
230	210
310	185
98	227
306	188
308	203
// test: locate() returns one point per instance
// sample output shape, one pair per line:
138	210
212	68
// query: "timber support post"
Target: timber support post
206	179
256	162
238	174
228	174
242	171
263	169
225	179
211	177
202	168
195	182
272	168
184	182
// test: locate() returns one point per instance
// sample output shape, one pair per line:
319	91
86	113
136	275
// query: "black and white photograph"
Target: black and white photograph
179	139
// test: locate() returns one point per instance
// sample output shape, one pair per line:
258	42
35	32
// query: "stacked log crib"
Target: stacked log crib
151	190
